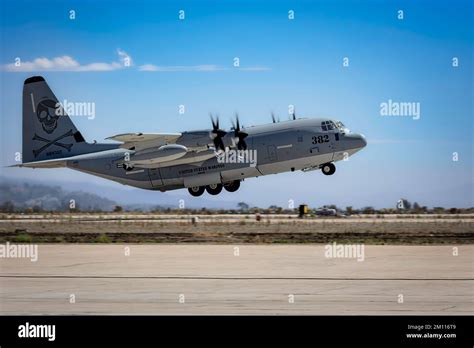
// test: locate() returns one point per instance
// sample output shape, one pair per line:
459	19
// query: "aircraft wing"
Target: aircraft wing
153	150
158	138
196	140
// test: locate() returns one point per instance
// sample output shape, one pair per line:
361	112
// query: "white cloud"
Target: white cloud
151	67
67	63
255	68
124	58
205	68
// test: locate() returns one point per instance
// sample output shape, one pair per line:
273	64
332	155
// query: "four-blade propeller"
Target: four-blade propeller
239	134
217	134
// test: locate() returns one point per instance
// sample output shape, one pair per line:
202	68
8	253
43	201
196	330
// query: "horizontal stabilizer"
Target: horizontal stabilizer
62	162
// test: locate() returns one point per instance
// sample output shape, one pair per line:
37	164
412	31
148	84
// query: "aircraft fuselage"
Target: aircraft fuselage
274	148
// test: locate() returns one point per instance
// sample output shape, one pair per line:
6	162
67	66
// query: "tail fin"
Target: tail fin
48	132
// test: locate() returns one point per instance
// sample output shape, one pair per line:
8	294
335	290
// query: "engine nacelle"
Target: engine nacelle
164	153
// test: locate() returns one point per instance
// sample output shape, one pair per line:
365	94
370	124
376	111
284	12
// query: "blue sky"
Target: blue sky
282	62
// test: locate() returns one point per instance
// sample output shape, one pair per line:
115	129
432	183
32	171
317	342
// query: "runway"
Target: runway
238	279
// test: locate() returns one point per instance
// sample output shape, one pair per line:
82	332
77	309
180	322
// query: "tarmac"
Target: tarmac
176	279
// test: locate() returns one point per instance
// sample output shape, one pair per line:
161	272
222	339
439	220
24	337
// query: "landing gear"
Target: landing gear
328	169
196	191
232	186
214	189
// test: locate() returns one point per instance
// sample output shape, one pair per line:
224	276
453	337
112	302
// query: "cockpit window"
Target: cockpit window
328	125
341	127
337	125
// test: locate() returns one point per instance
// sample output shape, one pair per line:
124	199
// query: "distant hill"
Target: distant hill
91	196
29	195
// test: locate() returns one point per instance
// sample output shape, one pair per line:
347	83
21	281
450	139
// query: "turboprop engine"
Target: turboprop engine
164	153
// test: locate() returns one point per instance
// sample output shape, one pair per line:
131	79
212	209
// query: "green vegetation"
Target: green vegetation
23	238
102	238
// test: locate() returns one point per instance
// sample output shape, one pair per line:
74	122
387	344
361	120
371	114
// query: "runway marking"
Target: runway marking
229	278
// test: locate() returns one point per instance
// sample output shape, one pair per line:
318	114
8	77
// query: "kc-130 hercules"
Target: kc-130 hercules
204	160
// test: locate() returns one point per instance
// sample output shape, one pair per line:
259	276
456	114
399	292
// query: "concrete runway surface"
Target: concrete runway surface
261	279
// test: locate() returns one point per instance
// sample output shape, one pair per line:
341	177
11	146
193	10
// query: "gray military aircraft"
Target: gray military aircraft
204	160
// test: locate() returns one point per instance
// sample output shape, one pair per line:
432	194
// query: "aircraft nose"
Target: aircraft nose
357	141
362	140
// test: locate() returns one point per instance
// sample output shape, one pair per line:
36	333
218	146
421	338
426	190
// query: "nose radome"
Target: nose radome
356	141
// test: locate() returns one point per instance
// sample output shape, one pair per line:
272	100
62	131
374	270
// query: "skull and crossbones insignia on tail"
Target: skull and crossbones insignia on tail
47	115
51	142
